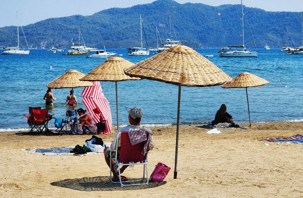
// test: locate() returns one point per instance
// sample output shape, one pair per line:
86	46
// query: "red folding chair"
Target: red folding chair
38	119
130	155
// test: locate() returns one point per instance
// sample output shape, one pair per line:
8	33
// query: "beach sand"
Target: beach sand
234	163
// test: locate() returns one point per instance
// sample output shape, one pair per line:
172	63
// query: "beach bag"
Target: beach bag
101	127
159	173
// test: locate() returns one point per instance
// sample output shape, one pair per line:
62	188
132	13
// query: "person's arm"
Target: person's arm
66	101
115	141
53	98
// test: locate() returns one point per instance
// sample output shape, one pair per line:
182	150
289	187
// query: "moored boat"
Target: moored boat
102	54
15	50
238	51
139	51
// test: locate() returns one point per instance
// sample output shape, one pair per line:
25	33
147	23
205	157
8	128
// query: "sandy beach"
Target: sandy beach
235	163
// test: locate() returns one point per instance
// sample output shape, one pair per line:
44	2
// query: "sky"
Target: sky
31	11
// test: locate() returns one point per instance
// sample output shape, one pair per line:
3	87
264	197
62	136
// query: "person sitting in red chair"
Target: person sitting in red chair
134	117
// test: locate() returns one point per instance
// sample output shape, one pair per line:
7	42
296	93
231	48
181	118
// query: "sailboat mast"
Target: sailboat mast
79	39
302	29
18	35
141	32
17	30
242	24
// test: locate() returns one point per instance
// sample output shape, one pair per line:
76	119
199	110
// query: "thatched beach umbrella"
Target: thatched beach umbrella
182	66
245	80
111	70
70	79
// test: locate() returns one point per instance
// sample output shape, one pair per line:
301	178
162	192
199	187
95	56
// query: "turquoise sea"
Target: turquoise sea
24	78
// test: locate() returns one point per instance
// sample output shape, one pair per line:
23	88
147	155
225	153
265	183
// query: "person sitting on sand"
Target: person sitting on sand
222	116
49	97
134	117
71	99
85	123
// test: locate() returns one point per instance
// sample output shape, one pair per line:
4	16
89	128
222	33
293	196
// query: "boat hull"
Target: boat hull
13	52
239	54
138	53
101	55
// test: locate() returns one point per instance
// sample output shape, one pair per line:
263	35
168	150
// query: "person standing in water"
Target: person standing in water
71	99
49	97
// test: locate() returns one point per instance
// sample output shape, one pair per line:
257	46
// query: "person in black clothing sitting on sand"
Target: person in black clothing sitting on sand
222	116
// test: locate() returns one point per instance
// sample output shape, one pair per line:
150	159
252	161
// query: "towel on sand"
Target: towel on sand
60	150
293	139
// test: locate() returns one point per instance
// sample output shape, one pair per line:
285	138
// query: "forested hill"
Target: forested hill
196	25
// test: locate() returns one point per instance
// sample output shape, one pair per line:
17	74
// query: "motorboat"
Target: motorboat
295	51
102	54
238	51
138	51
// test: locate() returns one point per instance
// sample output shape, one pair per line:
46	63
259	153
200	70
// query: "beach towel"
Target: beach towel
136	137
298	139
63	150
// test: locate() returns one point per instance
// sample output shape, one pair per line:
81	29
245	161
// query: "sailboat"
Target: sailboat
15	50
139	51
169	42
238	51
79	49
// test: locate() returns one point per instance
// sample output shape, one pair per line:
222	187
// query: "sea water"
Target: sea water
24	79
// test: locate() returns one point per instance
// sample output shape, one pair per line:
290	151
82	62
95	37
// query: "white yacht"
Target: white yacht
15	50
139	51
238	51
79	49
168	43
102	54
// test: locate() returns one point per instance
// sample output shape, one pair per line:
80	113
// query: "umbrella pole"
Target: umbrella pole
248	107
116	85
177	133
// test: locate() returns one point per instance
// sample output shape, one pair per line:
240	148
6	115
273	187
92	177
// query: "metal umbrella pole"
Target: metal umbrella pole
177	133
248	106
116	85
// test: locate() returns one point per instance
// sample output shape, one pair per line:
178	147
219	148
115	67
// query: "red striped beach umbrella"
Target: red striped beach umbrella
97	105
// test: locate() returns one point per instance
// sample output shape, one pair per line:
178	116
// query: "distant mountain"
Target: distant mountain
196	25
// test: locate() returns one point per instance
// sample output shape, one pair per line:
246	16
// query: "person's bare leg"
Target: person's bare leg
115	175
232	122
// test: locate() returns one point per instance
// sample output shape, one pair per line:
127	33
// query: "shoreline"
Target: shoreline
152	125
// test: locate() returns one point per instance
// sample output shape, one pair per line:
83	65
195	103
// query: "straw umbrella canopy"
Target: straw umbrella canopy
111	70
245	80
70	79
182	66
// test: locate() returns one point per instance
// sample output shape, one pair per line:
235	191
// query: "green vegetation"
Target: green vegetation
196	25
